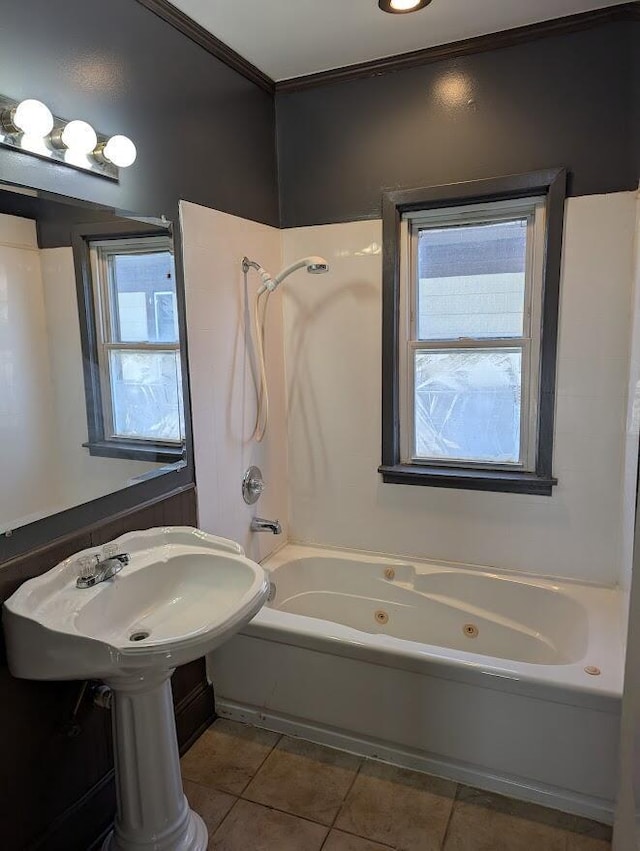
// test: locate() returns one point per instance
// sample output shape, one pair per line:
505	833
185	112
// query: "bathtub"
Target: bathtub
507	682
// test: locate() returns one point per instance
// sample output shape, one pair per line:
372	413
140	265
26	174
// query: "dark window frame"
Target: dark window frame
98	443
550	184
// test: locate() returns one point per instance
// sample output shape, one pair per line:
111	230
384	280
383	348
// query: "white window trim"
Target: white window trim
534	209
105	308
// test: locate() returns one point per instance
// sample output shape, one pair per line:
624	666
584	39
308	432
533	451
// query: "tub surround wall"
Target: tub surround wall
332	345
28	469
627	824
223	374
632	421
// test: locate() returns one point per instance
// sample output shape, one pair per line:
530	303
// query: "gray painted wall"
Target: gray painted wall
560	101
204	133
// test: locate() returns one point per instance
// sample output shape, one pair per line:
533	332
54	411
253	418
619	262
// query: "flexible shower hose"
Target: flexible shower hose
262	414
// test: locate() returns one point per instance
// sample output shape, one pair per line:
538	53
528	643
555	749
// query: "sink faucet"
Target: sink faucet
94	569
260	525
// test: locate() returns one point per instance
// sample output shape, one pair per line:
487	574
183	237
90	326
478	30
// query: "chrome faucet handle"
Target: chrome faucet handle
87	565
252	485
98	567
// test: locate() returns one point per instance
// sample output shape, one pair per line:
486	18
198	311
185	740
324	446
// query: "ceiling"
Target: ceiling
291	38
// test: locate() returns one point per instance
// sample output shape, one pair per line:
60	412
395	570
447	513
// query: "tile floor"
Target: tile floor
258	791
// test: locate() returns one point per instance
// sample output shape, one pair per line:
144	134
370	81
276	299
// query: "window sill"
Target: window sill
136	451
501	481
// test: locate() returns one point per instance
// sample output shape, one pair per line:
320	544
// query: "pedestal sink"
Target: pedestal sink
182	593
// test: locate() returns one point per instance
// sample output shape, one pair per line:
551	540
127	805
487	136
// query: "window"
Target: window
134	386
469	336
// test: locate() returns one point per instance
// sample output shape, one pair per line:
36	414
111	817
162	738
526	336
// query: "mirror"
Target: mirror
91	373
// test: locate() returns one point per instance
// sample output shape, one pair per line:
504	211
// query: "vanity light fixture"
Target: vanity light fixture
30	127
402	7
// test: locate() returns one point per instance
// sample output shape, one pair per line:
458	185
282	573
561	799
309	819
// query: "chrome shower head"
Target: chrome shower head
313	265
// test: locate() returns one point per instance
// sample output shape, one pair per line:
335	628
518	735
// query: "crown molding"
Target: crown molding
202	37
388	64
478	44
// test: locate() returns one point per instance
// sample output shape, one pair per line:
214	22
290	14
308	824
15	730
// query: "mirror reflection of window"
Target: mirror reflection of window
138	340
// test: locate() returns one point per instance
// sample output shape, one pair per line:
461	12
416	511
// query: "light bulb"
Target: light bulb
35	145
79	137
120	151
77	159
400	7
33	118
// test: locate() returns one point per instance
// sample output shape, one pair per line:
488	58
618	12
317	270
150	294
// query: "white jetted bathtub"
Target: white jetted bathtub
503	681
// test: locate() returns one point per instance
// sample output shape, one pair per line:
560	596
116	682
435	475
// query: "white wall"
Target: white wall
627	824
333	352
626	836
222	378
27	459
632	421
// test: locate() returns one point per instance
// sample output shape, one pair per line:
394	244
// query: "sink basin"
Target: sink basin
182	593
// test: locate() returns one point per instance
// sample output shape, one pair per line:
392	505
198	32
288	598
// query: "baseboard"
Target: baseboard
195	712
86	824
77	827
470	775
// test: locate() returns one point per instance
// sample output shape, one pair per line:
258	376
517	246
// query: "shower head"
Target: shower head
313	265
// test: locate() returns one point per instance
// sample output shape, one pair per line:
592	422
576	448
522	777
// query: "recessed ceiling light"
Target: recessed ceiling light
400	7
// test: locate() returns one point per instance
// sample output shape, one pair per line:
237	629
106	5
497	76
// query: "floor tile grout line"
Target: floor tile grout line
350	832
342	802
219	827
450	818
244	788
271	750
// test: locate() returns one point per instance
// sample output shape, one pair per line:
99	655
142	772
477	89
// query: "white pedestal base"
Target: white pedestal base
153	813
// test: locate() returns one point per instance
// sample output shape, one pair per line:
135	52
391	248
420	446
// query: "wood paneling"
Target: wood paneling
56	772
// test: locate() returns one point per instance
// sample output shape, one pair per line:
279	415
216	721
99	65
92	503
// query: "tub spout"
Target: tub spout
260	525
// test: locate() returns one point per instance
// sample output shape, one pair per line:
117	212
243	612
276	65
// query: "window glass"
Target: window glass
143	292
146	395
471	281
468	404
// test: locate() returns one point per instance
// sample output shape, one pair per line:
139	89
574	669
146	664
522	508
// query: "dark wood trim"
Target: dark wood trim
66	541
472	480
195	713
550	183
136	451
77	827
457	49
202	37
36	537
